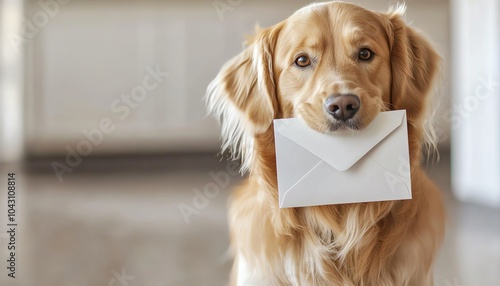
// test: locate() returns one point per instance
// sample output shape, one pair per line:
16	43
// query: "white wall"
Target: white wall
476	101
11	82
91	52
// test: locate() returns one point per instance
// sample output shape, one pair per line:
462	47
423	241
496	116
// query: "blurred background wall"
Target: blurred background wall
12	83
474	115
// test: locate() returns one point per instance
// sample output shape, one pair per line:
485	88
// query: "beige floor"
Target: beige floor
117	222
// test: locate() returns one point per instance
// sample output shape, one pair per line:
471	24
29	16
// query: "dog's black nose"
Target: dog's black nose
342	106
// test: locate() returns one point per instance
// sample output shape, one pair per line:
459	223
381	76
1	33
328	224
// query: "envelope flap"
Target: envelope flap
341	150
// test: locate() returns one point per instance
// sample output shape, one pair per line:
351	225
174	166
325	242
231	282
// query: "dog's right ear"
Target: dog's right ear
243	95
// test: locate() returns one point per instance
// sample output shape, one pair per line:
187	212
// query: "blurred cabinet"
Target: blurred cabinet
91	54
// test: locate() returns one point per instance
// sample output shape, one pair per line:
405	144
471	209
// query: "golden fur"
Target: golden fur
377	243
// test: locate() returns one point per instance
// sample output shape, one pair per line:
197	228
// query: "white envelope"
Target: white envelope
344	167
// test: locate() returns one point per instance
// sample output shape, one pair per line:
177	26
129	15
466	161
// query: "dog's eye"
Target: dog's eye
365	54
303	61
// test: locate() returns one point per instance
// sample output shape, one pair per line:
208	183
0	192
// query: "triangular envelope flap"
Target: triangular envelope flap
341	150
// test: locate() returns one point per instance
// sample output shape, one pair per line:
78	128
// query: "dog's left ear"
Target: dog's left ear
414	65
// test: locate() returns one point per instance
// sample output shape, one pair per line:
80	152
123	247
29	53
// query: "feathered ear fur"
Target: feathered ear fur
243	95
414	65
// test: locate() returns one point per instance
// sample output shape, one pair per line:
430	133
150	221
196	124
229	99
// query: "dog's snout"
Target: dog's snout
342	106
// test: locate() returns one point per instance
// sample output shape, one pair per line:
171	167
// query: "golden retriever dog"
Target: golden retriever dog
336	66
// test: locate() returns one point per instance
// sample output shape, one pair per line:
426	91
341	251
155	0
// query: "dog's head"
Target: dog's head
336	65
